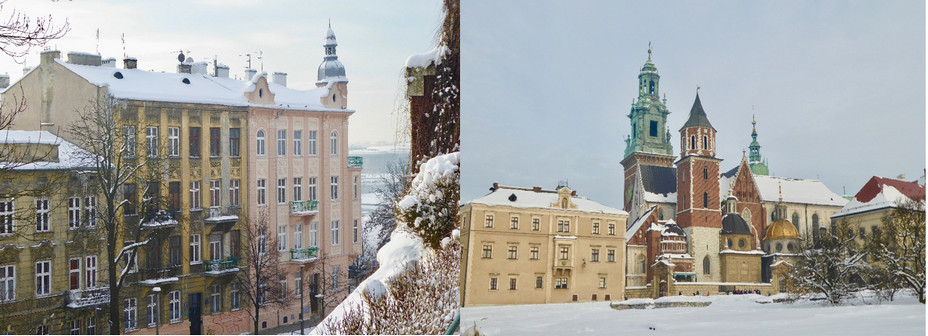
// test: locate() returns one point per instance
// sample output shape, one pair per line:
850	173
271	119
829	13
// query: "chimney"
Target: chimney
129	63
573	193
184	68
109	62
82	58
4	81
279	78
222	71
536	189
250	73
49	56
199	68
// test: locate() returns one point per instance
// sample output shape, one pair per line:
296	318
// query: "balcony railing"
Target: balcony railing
160	219
217	214
88	297
303	207
355	162
303	254
221	266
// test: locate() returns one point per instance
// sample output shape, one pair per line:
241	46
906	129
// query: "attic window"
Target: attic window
333	97
260	92
118	75
186	81
512	198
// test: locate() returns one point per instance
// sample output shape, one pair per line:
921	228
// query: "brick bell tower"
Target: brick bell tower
699	210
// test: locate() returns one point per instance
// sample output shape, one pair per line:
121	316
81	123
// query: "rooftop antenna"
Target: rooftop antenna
123	38
261	59
248	59
98	40
697	89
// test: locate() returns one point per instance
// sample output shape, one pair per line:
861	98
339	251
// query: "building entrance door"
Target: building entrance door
194	313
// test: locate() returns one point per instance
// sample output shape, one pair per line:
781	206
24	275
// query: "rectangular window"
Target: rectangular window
194	249
90	269
74	212
174	306
151	140
194	142
129	313
539	281
235	142
282	238
281	142
313	237
514	223
215	299
214	186
235	297
215	247
489	223
174	196
565	253
297	142
235	241
312	188
262	241
602	282
335	232
297	188
311	144
595	255
356	233
195	195
493	284
90	210
259	143
334	143
152	311
512	283
563	225
487	251
610	255
173	141
653	129
536	224
357	187
297	285
234	186
611	229
74	273
7	283
43	278
262	192
534	253
174	251
131	258
298	236
129	139
513	253
334	180
281	191
596	228
75	327
42	330
6	217
41	215
214	148
560	283
129	191
91	326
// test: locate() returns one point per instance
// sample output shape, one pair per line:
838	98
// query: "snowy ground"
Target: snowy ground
727	315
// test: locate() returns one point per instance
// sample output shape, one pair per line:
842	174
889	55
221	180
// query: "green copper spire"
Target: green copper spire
758	166
649	115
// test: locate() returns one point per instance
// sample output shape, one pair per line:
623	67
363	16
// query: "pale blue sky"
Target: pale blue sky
374	37
838	87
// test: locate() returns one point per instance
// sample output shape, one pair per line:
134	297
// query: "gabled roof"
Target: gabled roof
634	226
881	193
796	191
69	155
698	116
528	198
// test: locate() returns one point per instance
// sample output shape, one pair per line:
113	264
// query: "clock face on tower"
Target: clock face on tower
629	189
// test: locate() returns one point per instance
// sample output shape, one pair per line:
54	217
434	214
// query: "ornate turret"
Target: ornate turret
331	69
697	136
758	166
648	115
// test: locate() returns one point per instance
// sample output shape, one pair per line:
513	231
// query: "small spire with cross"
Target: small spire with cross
649	50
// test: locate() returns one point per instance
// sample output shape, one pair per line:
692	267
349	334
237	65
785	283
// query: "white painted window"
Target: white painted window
43	278
259	147
129	141
195	195
298	285
129	313
215	247
262	192
90	269
215	299
298	236
297	188
281	142
282	238
151	140
313	234
173	141
311	144
235	297
74	273
335	278
41	215
214	193
7	283
194	248
282	191
75	327
297	142
334	140
356	187
334	185
262	241
90	210
91	326
335	232
152	311
6	216
74	212
312	188
234	186
355	230
174	306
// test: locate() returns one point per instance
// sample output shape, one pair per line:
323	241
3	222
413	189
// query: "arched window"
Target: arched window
705	142
773	216
660	214
693	142
815	222
705	265
705	173
705	200
796	220
652	88
334	139
260	145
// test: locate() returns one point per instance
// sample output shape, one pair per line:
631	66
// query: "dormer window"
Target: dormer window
260	93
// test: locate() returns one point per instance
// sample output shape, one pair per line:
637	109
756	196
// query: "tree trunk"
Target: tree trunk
257	316
112	276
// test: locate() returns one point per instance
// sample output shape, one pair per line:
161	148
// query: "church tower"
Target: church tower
649	141
699	210
758	166
331	74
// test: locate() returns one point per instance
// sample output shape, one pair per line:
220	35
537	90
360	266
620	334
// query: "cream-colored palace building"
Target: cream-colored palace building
529	246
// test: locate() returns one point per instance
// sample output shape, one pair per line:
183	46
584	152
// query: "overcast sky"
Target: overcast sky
838	87
374	40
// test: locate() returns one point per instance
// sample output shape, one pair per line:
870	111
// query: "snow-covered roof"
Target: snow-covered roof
631	229
881	193
428	58
137	84
751	252
528	198
70	156
796	191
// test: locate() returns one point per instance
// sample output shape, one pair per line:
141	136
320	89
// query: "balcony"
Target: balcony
222	266
88	297
355	162
160	219
151	276
302	208
219	215
303	254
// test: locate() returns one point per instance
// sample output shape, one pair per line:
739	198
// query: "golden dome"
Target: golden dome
781	229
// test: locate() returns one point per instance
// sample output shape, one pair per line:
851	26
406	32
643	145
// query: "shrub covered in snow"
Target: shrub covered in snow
430	209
